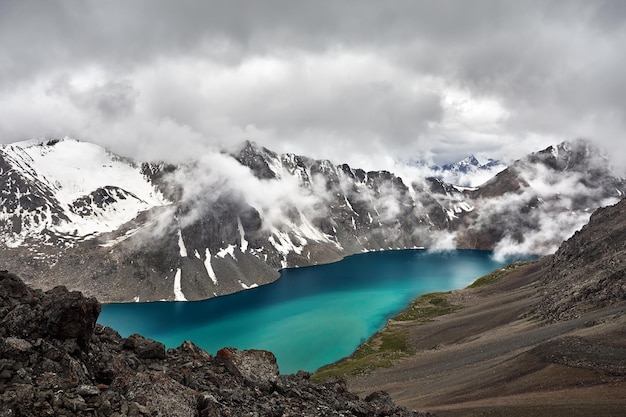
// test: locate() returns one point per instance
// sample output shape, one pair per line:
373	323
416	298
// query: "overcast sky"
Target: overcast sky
366	82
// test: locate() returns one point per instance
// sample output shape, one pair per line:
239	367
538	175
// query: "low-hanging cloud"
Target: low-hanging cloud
551	209
217	175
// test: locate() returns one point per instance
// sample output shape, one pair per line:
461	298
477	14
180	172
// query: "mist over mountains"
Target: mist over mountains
75	214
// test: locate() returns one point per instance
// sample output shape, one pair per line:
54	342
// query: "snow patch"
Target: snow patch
463	206
181	244
229	250
119	239
247	287
102	219
244	242
461	188
348	203
178	292
276	166
283	243
209	267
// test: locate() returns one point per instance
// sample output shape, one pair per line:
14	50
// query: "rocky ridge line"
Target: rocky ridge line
589	269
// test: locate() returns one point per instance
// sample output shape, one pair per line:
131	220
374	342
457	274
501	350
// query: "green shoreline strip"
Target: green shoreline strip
392	342
497	275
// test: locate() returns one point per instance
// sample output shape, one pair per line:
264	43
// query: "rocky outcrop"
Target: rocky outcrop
589	270
55	360
57	314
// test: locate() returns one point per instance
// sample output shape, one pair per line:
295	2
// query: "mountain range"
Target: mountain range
73	213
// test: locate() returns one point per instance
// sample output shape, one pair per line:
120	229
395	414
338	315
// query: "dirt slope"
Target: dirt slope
493	357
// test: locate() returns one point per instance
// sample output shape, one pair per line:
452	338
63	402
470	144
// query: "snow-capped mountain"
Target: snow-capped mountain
68	190
541	200
468	172
72	213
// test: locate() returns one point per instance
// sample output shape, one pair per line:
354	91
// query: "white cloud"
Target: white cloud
351	81
215	175
442	241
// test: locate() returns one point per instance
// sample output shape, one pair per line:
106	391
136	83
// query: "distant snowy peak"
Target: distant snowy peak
464	165
468	172
470	164
77	168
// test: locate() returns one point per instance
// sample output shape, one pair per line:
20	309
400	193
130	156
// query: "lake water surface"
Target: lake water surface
311	316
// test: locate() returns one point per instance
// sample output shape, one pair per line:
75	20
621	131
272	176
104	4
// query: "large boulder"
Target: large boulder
58	313
258	368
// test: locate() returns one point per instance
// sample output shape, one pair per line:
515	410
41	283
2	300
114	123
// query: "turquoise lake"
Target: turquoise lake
311	316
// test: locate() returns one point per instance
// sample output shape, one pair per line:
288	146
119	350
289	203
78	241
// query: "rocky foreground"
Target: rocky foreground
55	360
542	339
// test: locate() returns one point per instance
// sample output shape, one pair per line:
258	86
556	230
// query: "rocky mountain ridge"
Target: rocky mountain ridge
589	269
74	214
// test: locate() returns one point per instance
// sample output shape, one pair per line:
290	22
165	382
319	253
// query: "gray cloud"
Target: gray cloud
111	99
362	82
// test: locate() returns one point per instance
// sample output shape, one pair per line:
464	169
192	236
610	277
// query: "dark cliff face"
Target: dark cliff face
54	360
589	269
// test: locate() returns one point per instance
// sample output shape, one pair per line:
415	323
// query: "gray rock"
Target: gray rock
19	344
87	390
145	348
257	367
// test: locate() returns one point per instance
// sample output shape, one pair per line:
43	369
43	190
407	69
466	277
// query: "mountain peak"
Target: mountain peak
463	165
46	180
469	171
577	155
259	159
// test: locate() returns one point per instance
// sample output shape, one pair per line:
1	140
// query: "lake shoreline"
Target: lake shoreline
279	271
493	357
311	316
